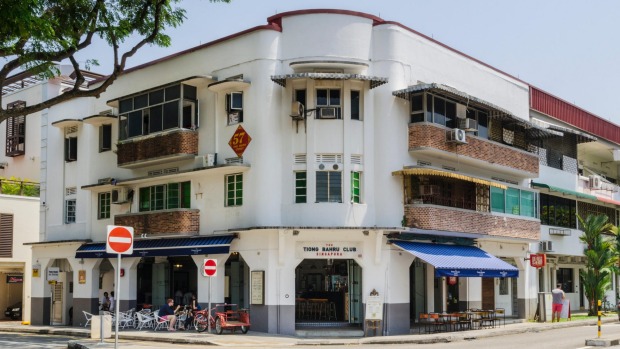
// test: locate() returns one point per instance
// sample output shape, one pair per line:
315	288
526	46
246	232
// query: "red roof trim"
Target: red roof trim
569	113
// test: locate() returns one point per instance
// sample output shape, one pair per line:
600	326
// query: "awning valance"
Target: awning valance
374	80
532	130
461	261
608	200
163	247
417	171
564	191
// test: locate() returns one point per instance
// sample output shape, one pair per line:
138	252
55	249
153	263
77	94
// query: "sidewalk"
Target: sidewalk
132	338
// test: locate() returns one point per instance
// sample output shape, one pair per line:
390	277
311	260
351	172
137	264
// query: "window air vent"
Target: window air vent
329	158
356	159
505	180
163	171
238	160
299	158
558	231
449	168
70	191
70	130
106	180
424	163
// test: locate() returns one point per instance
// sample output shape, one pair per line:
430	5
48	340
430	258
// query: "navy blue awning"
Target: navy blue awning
456	260
163	247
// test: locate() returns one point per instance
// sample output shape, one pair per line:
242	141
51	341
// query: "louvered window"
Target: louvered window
6	235
16	131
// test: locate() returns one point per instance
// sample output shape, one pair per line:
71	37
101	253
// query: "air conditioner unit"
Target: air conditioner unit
457	136
327	113
615	153
119	195
209	160
468	124
596	182
297	111
427	189
546	246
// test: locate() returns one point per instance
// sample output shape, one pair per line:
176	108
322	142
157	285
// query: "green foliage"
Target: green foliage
596	278
16	186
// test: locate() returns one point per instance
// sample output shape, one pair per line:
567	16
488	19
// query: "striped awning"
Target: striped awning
418	171
457	260
163	247
374	80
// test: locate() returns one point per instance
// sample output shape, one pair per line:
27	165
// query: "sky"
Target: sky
569	48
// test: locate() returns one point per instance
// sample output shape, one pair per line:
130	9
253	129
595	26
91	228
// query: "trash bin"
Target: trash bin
96	329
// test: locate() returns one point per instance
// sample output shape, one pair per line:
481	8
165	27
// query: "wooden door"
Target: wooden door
488	293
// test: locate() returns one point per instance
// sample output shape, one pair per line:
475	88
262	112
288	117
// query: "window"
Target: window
165	197
300	187
328	186
105	138
104	205
234	190
155	111
558	211
16	131
70	211
503	286
6	235
355	187
355	105
328	104
234	107
513	201
565	277
70	149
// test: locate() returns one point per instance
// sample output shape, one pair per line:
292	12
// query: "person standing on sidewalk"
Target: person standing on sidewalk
556	304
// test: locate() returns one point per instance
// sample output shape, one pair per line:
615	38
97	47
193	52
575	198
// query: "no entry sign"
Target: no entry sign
120	240
210	267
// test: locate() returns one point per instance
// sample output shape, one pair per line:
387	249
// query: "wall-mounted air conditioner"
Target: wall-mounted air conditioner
457	136
468	124
615	153
209	160
596	182
327	113
119	195
546	246
297	111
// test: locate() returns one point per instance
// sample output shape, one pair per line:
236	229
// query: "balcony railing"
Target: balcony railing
153	149
19	188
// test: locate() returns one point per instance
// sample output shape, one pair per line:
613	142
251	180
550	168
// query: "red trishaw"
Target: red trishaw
223	317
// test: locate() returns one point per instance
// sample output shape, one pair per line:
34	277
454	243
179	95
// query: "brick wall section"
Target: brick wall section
434	136
172	222
449	219
165	144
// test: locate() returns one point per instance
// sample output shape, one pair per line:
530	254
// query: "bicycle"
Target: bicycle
200	320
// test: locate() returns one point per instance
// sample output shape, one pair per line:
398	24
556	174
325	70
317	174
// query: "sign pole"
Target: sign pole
117	297
209	316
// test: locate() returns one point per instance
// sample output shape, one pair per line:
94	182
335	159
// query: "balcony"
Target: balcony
156	149
430	139
176	222
432	217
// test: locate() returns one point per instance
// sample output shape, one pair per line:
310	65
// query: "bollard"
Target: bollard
100	327
599	318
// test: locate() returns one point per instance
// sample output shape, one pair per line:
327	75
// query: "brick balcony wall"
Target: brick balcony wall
158	146
465	221
434	136
170	222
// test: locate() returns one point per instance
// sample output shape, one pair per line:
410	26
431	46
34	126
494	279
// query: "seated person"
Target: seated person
166	312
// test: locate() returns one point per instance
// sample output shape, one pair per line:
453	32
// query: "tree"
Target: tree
596	278
37	34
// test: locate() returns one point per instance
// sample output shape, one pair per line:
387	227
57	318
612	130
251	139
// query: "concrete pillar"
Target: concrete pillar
85	289
129	282
40	293
217	286
474	292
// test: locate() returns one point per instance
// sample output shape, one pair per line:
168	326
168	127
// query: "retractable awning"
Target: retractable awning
163	247
419	171
563	191
456	260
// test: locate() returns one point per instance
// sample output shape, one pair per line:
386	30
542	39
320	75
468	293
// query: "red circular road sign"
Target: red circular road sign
120	240
210	267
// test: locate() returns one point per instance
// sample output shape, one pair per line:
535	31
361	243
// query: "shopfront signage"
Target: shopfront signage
257	287
14	279
332	249
538	260
239	141
53	273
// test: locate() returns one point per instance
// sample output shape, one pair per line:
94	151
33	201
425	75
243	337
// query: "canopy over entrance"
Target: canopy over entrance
461	261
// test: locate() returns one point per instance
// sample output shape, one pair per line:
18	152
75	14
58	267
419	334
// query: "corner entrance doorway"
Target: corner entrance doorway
328	293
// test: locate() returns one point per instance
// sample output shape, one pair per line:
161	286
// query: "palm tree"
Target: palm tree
596	279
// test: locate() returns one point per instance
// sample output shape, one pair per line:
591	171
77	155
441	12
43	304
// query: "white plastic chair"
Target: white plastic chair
144	320
88	317
160	322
